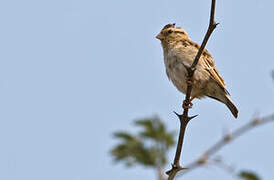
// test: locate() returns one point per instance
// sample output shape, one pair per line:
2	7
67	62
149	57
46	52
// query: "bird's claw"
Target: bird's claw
187	104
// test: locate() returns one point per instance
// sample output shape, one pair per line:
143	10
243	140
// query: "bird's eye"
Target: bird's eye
169	31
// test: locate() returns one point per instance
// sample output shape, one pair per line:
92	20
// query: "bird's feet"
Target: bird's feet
187	104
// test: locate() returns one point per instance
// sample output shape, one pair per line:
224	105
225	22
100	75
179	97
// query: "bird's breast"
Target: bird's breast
176	71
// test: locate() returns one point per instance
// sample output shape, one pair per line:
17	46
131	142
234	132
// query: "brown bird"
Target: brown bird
180	51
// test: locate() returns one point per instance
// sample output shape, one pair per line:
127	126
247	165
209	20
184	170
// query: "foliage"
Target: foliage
247	175
148	147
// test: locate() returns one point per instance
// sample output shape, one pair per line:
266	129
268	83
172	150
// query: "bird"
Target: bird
179	52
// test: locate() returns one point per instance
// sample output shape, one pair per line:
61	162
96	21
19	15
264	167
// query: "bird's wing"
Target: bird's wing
208	61
210	65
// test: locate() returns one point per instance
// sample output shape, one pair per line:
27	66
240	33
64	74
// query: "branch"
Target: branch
218	162
184	118
227	139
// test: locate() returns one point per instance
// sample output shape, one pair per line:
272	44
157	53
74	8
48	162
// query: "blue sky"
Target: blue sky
73	72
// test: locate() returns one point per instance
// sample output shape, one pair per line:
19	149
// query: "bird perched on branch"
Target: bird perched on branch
179	53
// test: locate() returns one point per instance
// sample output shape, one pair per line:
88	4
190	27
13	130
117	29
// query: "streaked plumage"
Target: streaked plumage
180	51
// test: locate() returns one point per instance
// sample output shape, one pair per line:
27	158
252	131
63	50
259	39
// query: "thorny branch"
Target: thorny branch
184	118
227	139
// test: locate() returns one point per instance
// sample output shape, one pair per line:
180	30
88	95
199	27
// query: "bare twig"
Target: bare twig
218	162
227	139
184	118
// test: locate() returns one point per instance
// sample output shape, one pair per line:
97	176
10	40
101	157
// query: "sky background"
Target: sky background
74	71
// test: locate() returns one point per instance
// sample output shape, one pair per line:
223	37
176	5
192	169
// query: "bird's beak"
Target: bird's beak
160	37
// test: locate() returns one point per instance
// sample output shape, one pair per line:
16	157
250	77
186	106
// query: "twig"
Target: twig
220	163
227	139
184	118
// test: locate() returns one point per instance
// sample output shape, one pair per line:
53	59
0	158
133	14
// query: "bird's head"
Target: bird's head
170	33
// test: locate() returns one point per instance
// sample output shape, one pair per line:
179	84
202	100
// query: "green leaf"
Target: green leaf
124	135
148	147
132	150
155	129
248	175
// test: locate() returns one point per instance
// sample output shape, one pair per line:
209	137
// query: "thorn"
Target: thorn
215	25
176	115
174	167
168	172
192	117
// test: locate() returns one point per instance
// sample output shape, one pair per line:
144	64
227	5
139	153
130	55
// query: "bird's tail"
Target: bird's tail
231	106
